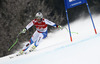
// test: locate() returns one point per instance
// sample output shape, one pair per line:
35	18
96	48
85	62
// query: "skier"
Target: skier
41	31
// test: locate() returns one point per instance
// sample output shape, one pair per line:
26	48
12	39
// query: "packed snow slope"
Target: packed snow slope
57	48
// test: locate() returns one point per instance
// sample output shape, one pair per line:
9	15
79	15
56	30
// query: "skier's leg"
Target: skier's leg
40	37
26	47
45	34
28	44
32	40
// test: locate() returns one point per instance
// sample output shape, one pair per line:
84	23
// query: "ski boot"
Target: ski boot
20	53
32	48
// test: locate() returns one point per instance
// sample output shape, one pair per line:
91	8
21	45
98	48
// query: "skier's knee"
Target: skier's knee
44	35
31	41
35	44
27	45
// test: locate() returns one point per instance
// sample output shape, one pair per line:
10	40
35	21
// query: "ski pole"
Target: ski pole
71	32
15	42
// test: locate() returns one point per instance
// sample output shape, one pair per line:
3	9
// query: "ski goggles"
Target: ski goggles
38	17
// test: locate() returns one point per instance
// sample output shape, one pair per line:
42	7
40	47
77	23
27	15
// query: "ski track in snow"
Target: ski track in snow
57	48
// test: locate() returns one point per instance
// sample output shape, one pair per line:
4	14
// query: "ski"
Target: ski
16	55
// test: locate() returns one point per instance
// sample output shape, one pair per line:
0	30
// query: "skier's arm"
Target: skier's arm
27	27
52	24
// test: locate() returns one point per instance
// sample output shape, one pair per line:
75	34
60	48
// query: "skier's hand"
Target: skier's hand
23	31
60	27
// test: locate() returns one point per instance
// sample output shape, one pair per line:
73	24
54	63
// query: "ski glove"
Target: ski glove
24	30
59	27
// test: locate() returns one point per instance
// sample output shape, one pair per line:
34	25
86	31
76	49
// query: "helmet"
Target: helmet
39	15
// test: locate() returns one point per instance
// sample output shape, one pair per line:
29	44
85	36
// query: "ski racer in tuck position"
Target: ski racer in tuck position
41	31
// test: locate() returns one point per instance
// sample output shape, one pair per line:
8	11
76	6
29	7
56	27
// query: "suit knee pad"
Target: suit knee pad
31	41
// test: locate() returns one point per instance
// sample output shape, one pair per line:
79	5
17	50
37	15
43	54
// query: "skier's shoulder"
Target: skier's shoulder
34	21
45	20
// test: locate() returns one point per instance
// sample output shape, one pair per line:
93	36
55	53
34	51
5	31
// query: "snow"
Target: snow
58	49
